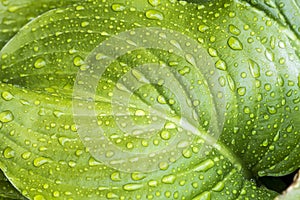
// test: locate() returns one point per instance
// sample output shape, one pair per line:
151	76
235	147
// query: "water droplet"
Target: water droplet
169	179
254	68
139	113
152	183
230	82
242	91
203	196
118	7
218	187
221	65
205	165
116	176
8	153
7	96
202	28
111	195
272	110
212	52
170	125
40	63
79	8
234	43
6	116
269	55
163	165
84	24
58	113
185	70
41	161
234	30
165	135
265	143
154	14
161	99
154	2
39	197
290	128
78	61
136	176
132	187
26	155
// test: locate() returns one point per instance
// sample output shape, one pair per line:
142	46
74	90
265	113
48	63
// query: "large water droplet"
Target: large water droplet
6	116
234	43
154	14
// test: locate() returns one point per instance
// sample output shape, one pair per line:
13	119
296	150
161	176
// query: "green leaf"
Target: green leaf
7	191
149	99
15	14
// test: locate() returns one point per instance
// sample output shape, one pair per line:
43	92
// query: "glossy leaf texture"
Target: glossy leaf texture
15	14
219	123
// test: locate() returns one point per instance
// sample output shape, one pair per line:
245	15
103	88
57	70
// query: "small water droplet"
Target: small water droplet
154	2
154	14
218	187
8	153
202	28
78	61
161	99
242	91
41	161
205	165
79	8
7	96
169	179
6	116
26	155
136	176
40	63
221	65
152	183
272	110
116	176
269	55
111	195
132	187
254	68
234	43
165	135
84	24
184	71
139	113
203	196
118	7
212	52
39	197
234	30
